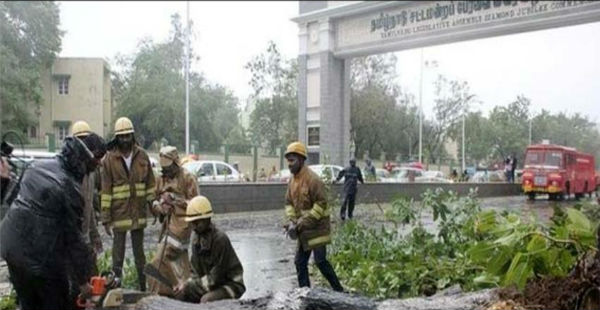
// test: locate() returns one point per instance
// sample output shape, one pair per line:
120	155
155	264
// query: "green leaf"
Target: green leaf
518	272
537	243
486	278
509	240
481	252
499	263
566	260
578	220
561	232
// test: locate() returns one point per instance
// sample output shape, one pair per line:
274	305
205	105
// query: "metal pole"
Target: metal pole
421	110
463	142
187	81
530	121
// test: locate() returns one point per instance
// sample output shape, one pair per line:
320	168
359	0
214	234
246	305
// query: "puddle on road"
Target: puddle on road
268	260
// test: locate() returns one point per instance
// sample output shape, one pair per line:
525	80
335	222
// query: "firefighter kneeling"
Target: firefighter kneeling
216	270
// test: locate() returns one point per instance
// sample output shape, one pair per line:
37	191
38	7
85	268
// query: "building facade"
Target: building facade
73	89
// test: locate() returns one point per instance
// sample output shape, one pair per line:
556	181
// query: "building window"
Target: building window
63	85
32	132
62	132
313	136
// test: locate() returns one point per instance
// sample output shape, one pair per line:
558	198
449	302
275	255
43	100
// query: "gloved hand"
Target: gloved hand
179	291
85	291
292	231
108	228
165	208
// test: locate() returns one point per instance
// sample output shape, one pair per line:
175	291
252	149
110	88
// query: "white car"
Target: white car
327	172
281	176
433	177
213	171
401	174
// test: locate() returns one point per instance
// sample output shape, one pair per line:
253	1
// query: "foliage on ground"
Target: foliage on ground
470	247
129	279
9	302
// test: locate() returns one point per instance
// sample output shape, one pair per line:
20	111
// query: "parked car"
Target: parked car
382	175
484	176
20	158
215	171
326	172
433	176
281	176
403	174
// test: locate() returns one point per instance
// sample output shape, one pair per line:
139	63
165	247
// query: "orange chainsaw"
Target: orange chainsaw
104	292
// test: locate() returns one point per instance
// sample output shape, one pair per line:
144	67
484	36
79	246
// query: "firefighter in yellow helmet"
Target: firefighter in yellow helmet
81	129
307	213
216	270
90	189
128	188
174	189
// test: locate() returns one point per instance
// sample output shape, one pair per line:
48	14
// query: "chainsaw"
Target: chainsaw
105	292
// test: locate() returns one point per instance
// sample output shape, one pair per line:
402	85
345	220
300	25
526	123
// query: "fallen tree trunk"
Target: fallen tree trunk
323	299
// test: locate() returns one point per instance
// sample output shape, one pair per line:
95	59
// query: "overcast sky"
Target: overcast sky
558	69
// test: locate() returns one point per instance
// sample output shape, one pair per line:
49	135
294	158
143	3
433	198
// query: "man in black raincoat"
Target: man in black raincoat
41	232
351	177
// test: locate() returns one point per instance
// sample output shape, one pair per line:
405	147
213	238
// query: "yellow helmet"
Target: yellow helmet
296	147
81	128
123	126
168	155
198	208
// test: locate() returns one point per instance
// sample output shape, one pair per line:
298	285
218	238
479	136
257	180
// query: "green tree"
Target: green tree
453	101
30	39
274	120
150	90
510	129
379	108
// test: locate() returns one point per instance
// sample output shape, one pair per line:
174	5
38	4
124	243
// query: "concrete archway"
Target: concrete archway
332	32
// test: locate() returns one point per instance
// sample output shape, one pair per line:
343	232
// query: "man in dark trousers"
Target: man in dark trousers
307	213
351	177
513	167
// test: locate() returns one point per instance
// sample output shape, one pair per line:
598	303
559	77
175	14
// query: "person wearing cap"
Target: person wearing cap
351	177
128	188
307	213
217	272
174	189
90	188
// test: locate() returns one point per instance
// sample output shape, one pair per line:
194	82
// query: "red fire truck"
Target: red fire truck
558	171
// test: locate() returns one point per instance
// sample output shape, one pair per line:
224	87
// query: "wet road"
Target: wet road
268	257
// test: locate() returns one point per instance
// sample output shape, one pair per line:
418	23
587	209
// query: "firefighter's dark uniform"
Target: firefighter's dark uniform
352	176
217	271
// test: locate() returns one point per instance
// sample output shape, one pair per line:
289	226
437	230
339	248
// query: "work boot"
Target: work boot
142	280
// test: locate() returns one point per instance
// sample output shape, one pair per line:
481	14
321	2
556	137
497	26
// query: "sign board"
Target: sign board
446	21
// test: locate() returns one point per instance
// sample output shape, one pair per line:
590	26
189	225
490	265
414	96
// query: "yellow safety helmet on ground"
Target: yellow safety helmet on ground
168	155
296	147
80	129
123	126
198	208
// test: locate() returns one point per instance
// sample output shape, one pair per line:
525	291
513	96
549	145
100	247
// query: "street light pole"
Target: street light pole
530	121
463	142
187	81
421	110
